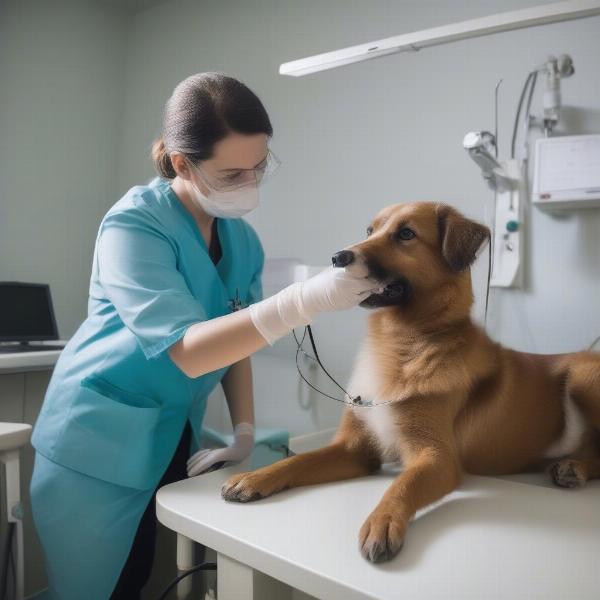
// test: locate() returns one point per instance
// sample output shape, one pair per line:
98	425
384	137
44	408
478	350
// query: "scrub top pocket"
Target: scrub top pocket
110	434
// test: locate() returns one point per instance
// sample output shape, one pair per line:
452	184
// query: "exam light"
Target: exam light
411	42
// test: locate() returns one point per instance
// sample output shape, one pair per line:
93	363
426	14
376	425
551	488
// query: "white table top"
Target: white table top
30	361
13	435
491	539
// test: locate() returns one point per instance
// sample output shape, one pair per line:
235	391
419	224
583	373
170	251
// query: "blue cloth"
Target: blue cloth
86	527
116	405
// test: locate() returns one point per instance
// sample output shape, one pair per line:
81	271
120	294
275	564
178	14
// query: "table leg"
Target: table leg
14	511
236	581
185	561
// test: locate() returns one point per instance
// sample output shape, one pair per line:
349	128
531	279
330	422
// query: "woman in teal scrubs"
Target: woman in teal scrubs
174	269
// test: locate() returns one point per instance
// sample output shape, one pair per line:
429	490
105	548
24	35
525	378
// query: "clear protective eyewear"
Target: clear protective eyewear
235	179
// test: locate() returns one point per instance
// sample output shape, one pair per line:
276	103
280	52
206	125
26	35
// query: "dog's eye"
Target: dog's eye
369	231
405	234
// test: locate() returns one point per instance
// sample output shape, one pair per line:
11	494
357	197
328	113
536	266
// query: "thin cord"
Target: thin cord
301	349
528	107
205	566
489	278
354	401
300	343
496	116
314	347
518	114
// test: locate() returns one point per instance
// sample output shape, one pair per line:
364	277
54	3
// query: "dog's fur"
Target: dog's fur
460	402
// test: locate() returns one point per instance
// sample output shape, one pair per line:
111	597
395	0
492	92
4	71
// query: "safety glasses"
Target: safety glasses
239	178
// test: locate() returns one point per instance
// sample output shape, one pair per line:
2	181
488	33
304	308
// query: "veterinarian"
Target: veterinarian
173	273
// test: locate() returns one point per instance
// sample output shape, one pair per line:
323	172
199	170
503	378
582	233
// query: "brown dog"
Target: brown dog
461	403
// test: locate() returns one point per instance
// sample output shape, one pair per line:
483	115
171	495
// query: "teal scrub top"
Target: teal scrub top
116	404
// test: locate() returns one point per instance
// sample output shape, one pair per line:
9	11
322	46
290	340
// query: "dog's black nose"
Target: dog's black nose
343	258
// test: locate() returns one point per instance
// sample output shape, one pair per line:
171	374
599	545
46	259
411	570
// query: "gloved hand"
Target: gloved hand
299	303
243	444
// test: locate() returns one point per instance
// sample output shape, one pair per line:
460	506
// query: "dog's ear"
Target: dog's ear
460	238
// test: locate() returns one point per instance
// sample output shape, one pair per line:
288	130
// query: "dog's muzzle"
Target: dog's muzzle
394	289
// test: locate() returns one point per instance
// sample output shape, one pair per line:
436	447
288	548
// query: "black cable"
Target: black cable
205	566
518	114
300	348
314	347
7	559
308	383
489	277
354	401
529	98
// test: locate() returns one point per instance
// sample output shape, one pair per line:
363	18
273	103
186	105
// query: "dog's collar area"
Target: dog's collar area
358	401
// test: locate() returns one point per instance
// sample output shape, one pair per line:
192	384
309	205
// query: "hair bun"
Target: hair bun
162	160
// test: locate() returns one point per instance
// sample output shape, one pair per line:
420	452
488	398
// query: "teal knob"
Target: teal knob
512	226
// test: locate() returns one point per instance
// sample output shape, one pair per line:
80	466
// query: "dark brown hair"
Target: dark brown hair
202	110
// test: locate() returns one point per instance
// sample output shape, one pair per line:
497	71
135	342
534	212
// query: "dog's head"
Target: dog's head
415	250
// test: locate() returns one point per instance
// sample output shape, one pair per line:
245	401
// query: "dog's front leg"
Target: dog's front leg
431	470
427	477
349	455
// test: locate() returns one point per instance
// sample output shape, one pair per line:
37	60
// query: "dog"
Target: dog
455	401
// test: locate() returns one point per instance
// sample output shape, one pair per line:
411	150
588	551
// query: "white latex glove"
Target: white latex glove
298	304
242	447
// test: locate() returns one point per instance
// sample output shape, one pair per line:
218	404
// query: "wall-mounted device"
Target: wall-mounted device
566	169
505	178
553	70
567	172
508	231
480	145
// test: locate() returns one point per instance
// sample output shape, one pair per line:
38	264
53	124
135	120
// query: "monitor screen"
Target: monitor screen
26	312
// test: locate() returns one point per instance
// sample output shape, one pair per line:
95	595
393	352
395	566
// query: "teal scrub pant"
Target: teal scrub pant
98	538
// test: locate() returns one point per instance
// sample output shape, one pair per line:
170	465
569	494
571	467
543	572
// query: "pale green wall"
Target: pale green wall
61	85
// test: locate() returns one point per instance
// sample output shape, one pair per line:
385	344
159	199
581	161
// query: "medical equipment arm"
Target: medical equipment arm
216	343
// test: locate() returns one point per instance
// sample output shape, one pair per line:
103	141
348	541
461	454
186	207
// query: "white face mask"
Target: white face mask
232	204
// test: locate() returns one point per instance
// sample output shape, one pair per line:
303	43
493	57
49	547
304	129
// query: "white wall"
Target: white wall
355	139
60	105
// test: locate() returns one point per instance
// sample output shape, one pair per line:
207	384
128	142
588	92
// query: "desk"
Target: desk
493	538
17	362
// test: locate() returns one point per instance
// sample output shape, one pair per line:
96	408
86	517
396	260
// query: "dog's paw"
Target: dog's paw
567	473
246	487
381	537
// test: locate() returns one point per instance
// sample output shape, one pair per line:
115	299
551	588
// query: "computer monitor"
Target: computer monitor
26	312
